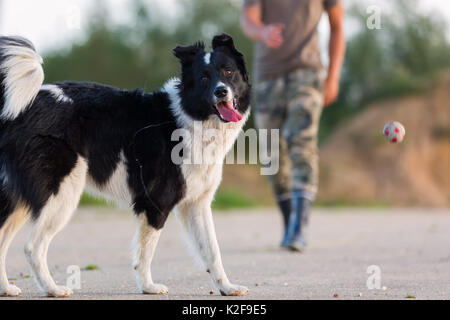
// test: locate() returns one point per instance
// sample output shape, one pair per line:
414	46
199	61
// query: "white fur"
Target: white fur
205	177
202	181
53	217
207	58
7	232
116	188
196	218
23	79
57	93
183	120
145	241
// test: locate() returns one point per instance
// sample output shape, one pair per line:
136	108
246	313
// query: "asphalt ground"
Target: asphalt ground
410	249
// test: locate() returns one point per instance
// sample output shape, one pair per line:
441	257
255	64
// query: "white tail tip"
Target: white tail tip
22	73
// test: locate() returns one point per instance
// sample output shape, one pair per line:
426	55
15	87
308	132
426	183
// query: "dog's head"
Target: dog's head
213	83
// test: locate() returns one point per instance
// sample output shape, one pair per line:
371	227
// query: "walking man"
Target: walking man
290	92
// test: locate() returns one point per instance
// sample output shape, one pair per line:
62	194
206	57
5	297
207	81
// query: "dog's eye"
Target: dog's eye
228	73
204	79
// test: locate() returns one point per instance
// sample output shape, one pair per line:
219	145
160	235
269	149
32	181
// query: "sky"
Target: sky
52	24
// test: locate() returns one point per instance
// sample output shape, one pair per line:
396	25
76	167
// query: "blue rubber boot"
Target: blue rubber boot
295	239
285	206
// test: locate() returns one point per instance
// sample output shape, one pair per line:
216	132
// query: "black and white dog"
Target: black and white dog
55	139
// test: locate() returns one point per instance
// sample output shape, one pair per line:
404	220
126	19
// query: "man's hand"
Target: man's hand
331	90
272	35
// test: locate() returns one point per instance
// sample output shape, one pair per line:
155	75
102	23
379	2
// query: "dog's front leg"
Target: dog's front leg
197	220
145	242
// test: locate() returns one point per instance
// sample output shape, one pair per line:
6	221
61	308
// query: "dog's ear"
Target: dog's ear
223	40
186	54
226	41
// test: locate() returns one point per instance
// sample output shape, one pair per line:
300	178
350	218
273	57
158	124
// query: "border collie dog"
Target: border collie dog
55	139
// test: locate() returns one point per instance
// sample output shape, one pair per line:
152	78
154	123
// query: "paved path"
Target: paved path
411	247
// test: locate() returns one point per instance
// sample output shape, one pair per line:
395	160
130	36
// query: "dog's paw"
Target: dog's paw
10	291
155	288
59	292
234	290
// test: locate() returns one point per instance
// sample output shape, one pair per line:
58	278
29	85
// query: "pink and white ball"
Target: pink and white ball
394	132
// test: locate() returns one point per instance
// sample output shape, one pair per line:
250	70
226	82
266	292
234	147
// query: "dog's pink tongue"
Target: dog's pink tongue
227	111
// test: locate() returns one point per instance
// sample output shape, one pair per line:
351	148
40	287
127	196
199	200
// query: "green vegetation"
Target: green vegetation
88	200
230	199
225	199
346	204
91	267
410	296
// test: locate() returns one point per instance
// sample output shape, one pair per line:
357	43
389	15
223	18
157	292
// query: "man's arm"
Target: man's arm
256	30
336	52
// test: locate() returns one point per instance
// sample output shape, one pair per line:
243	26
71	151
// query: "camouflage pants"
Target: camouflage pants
293	104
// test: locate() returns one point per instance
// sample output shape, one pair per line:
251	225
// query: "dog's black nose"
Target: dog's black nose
221	92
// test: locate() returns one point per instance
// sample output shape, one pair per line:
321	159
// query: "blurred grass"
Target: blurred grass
91	267
224	200
90	201
352	204
232	199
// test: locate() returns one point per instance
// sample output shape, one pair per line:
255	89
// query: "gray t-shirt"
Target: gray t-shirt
300	48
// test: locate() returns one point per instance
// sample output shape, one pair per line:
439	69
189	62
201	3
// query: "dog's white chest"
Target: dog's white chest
201	180
207	148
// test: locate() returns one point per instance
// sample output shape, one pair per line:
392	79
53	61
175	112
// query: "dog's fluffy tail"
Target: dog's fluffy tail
21	76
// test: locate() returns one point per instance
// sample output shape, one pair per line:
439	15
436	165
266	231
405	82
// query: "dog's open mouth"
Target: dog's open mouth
228	111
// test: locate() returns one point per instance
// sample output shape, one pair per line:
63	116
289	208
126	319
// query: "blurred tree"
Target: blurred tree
140	55
404	56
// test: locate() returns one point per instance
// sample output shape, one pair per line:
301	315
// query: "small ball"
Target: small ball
394	132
